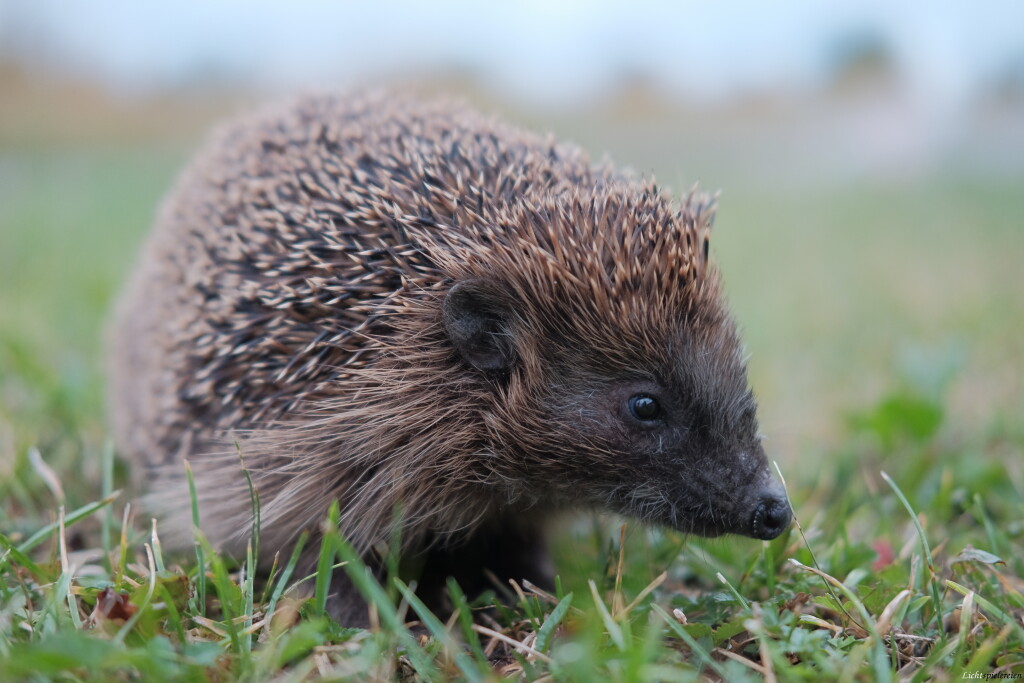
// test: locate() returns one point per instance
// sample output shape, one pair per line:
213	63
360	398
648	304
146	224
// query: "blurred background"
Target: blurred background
870	157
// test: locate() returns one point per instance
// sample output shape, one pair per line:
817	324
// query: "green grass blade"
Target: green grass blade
324	573
614	630
107	490
79	514
465	617
547	629
197	543
374	594
465	664
23	560
989	607
933	589
703	655
282	581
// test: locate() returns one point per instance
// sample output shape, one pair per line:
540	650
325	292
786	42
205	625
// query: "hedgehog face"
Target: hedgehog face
679	447
669	437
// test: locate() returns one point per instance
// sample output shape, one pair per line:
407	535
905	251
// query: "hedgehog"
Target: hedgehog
452	328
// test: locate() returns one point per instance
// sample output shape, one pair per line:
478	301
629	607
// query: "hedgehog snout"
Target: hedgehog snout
772	513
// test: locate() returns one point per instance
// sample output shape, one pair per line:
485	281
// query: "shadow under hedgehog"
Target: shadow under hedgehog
397	304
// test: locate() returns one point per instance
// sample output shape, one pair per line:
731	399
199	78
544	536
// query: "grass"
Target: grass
885	330
904	576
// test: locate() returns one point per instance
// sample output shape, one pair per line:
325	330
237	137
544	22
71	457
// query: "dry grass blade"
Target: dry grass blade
766	658
617	599
885	620
547	597
742	660
46	473
517	645
658	580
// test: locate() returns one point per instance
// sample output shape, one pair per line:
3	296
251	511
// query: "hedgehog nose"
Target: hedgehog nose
771	516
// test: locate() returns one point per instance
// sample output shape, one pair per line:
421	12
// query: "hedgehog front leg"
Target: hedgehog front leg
502	550
345	604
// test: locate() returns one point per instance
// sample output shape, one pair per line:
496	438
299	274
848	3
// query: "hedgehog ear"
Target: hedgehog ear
478	321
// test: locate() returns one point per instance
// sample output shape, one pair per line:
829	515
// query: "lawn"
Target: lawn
884	318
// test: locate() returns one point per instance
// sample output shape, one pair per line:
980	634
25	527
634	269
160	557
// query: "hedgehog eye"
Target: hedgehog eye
644	408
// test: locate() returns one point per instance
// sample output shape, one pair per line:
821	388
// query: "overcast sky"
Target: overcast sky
544	49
